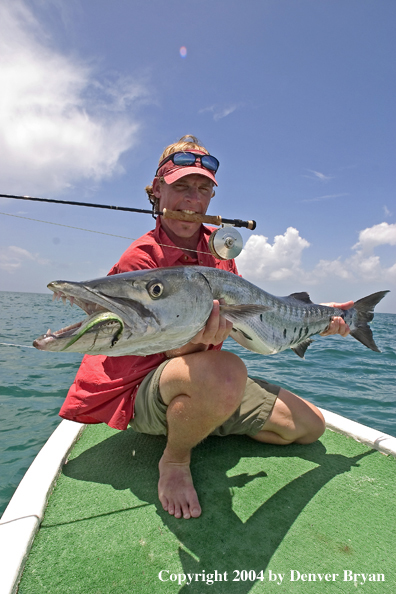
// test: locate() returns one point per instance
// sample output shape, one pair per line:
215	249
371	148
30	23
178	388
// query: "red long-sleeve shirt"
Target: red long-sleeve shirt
104	389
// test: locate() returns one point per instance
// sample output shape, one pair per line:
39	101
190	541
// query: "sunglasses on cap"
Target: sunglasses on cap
186	159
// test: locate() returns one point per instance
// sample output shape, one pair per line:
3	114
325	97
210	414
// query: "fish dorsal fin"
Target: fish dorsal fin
301	297
236	313
302	347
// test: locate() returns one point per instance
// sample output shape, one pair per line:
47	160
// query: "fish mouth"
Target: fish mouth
88	306
62	333
106	322
99	319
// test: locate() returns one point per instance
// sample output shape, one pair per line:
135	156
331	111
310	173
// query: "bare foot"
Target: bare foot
176	490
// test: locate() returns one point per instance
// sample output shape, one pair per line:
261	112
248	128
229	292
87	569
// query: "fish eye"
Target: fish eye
155	289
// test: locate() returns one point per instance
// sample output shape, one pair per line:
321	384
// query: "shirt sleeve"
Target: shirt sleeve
104	388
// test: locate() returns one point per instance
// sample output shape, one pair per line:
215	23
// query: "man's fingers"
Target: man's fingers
217	328
336	326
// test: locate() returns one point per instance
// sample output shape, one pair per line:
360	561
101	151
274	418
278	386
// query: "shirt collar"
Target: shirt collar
175	256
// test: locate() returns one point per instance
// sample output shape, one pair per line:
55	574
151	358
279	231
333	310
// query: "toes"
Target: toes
176	491
181	510
185	508
196	511
195	508
164	502
178	512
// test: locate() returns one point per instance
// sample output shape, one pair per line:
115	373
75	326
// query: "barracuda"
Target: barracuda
151	311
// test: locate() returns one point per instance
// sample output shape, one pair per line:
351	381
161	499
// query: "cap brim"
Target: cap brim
173	176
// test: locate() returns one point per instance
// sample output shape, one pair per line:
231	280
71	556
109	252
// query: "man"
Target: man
198	389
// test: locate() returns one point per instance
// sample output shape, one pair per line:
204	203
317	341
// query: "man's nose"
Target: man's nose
193	193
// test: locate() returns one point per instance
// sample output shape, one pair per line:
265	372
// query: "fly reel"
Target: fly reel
226	243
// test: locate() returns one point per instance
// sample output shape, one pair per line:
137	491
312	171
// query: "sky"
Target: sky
294	97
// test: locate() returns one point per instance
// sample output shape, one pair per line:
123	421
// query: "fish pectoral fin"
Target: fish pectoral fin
236	330
236	313
302	347
304	297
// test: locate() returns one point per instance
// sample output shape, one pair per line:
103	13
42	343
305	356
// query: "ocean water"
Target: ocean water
337	374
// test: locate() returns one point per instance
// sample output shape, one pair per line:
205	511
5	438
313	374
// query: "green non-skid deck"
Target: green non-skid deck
326	508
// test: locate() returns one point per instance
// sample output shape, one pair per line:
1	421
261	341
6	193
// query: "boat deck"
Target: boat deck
316	518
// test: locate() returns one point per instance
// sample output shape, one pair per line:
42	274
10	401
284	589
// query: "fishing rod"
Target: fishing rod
225	243
166	213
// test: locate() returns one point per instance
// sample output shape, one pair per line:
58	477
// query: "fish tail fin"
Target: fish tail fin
364	313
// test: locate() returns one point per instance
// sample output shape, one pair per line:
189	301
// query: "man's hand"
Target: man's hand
338	325
215	331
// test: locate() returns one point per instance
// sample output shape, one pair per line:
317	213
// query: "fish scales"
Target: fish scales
152	311
288	321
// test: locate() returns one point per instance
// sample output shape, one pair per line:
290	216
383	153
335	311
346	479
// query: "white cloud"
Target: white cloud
318	175
326	197
218	111
354	269
382	234
13	257
58	123
326	269
262	262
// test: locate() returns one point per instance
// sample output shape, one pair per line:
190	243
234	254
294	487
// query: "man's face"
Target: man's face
191	193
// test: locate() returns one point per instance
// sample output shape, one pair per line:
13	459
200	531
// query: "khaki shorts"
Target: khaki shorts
257	403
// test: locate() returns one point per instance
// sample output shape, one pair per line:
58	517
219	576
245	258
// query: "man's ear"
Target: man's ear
157	187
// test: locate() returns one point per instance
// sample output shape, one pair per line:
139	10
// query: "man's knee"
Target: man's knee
216	378
224	380
313	428
226	367
294	420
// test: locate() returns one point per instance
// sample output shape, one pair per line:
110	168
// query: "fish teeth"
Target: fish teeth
59	295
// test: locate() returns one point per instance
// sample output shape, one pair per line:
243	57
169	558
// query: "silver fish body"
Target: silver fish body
152	311
285	322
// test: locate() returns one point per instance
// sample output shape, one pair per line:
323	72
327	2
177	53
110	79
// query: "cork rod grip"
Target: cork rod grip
212	220
192	218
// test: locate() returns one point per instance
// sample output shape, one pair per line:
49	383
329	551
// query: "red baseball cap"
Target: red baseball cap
172	173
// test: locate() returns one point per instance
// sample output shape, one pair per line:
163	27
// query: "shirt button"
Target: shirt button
185	257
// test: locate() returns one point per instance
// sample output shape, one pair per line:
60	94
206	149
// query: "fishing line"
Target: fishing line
23	346
99	232
68	226
223	244
166	213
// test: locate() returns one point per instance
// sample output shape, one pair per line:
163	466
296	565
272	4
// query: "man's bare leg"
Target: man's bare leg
202	391
292	420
